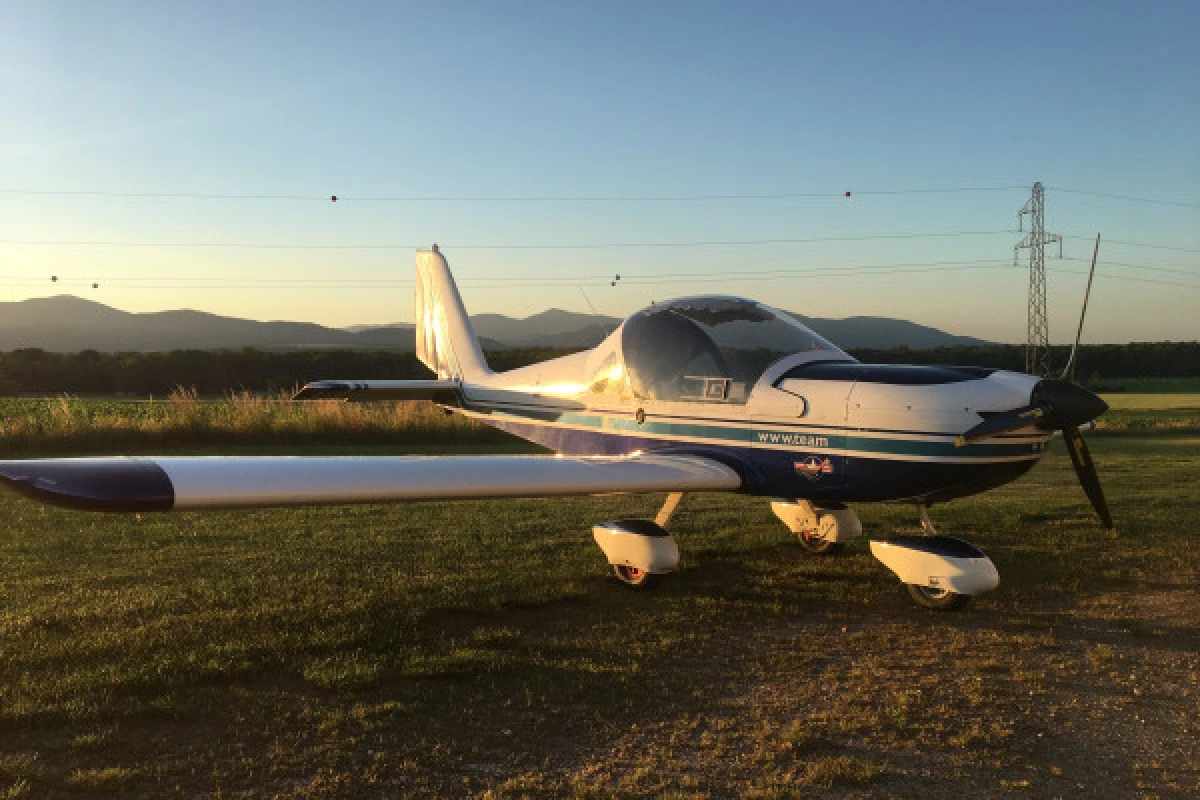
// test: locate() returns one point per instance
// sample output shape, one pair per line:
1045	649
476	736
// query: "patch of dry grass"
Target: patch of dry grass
82	425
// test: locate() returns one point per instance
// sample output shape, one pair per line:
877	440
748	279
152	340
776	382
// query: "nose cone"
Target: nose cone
1067	405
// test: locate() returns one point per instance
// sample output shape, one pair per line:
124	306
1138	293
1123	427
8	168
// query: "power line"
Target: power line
558	283
517	281
1128	278
1140	244
523	279
1128	198
550	246
567	282
586	246
544	280
157	195
323	198
1135	266
495	198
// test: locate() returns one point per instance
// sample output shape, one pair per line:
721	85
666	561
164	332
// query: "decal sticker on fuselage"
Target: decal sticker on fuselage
813	467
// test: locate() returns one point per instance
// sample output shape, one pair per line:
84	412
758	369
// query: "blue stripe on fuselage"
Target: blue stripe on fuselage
769	435
863	468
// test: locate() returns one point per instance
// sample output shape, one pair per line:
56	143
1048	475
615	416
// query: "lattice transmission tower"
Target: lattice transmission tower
1037	345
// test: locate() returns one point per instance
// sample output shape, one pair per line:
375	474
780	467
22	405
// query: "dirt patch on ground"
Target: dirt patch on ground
1094	700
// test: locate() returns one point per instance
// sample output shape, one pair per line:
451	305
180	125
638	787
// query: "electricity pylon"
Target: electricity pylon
1037	345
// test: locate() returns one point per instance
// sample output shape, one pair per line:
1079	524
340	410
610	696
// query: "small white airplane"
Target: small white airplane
708	393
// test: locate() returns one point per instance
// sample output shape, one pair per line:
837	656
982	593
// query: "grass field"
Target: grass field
481	648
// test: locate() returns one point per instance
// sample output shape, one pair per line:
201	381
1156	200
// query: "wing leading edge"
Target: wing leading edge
190	483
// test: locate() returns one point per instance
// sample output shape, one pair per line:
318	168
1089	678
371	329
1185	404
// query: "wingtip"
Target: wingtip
92	484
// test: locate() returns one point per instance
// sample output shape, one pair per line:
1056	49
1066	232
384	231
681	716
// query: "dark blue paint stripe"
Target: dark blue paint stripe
92	484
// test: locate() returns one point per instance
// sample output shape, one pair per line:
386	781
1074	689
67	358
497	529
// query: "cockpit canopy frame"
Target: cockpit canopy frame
706	349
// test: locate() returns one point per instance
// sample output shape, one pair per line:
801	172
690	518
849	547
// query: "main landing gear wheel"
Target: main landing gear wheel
937	599
815	544
636	578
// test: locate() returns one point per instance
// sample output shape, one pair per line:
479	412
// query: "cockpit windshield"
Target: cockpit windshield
709	349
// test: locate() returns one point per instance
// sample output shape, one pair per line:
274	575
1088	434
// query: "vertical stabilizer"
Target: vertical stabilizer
446	342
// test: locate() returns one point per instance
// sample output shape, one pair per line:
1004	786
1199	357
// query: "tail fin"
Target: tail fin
446	342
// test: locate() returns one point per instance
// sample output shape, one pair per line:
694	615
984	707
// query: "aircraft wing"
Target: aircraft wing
199	482
438	391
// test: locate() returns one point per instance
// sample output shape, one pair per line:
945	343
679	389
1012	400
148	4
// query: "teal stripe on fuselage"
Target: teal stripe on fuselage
770	435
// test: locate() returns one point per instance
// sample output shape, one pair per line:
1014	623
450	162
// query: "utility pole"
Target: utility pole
1037	345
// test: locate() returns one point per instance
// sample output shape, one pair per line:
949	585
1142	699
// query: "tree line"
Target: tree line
34	371
1094	363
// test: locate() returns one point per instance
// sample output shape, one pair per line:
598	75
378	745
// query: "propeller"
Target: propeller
1058	405
1055	405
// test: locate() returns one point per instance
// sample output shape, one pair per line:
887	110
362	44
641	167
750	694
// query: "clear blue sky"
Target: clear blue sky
554	99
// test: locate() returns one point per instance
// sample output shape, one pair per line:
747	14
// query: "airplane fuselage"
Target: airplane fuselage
829	431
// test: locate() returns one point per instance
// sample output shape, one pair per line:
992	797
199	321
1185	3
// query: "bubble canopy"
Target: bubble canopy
710	348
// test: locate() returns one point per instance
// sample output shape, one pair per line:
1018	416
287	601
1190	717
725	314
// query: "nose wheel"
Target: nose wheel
934	597
636	578
939	572
937	599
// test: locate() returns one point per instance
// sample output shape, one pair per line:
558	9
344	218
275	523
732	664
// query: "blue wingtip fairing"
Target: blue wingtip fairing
90	484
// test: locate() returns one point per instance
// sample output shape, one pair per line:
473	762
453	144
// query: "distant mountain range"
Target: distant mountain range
69	324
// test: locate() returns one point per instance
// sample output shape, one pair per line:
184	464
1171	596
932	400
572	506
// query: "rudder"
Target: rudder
446	342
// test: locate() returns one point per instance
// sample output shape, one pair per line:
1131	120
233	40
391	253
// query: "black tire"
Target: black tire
937	599
636	578
817	546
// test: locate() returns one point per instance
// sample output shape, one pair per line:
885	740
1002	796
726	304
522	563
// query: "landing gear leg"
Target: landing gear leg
926	521
670	506
936	598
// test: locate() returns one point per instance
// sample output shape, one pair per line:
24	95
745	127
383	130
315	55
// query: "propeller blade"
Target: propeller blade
1002	422
1069	370
1085	468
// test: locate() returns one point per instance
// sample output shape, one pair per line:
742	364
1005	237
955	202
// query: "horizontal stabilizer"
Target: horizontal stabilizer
437	391
199	482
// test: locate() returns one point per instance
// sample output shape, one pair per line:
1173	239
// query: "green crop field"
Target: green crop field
1174	401
481	649
1149	385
